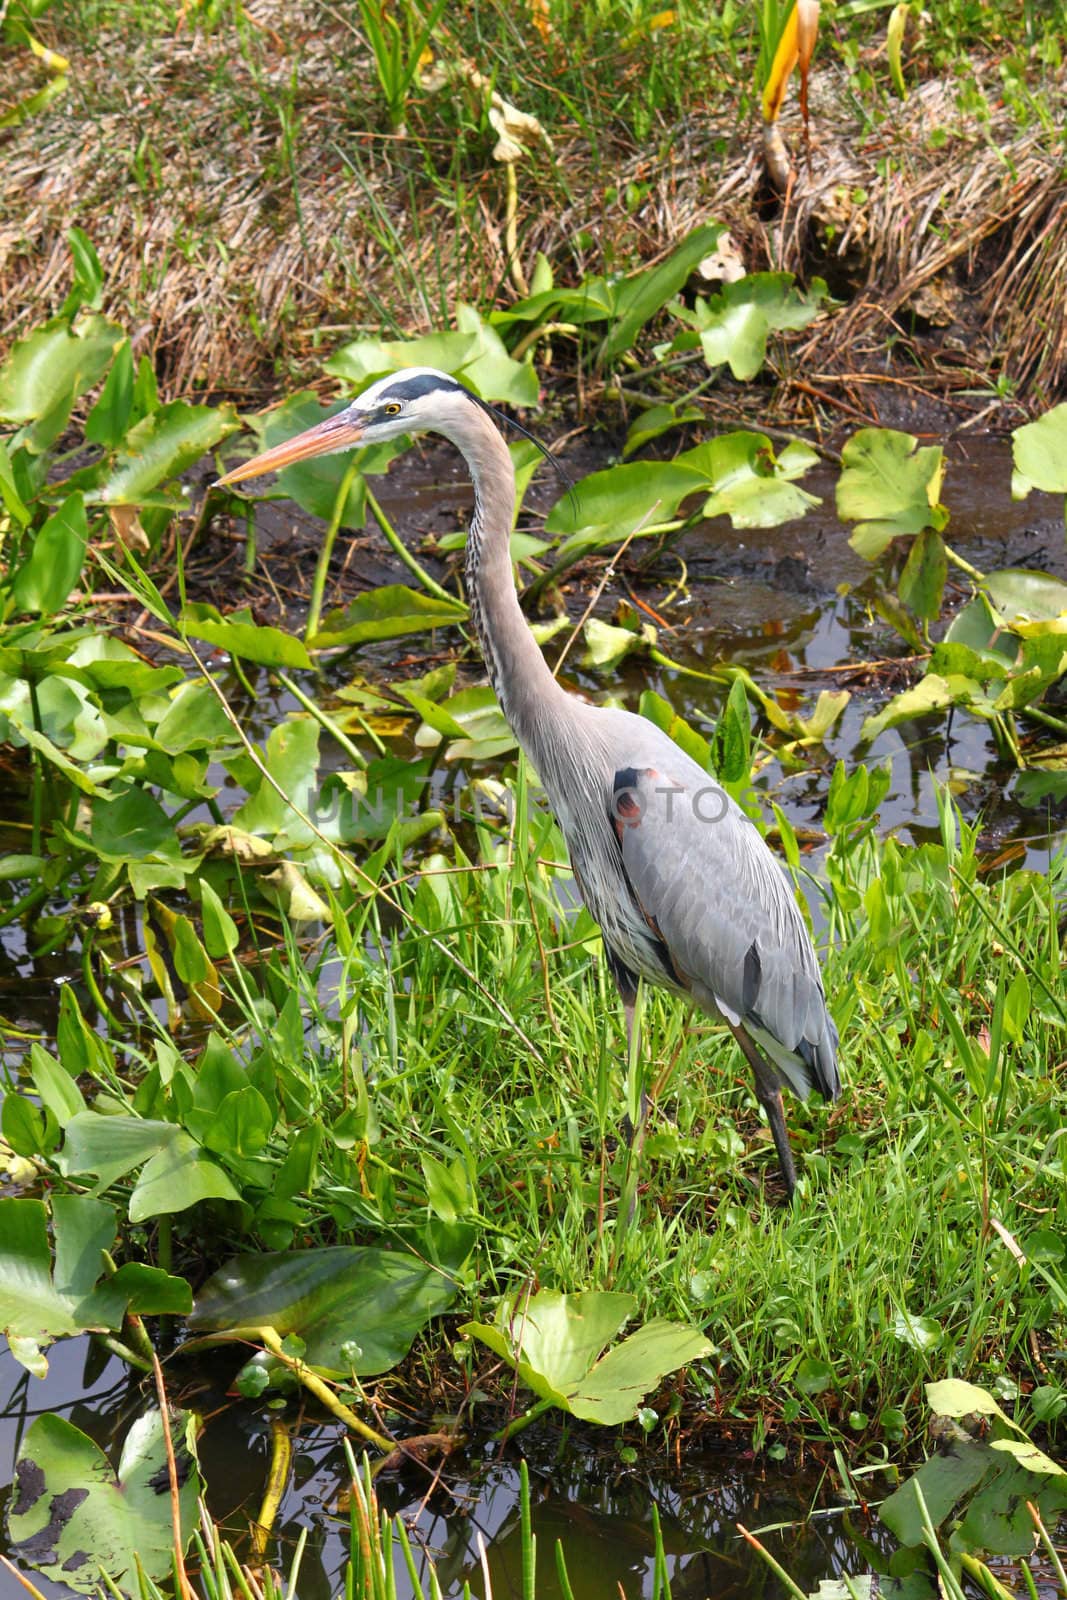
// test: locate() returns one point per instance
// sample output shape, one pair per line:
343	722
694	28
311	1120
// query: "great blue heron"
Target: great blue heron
686	893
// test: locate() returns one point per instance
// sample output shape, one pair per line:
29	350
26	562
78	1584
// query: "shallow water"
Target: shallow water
600	1508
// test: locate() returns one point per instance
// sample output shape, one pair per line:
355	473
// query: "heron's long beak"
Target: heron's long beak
336	433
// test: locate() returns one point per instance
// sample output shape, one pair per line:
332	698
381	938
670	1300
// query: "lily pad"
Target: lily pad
556	1342
1040	454
371	1301
241	636
73	1517
889	488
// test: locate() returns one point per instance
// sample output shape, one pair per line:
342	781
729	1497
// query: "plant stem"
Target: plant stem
396	544
964	566
517	1424
511	241
779	1571
322	1392
323	718
281	1456
124	1353
318	586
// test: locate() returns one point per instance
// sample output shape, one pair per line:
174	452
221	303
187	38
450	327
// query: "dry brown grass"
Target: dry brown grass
230	250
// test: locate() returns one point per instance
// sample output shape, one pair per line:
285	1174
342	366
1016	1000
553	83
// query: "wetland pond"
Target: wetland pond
789	605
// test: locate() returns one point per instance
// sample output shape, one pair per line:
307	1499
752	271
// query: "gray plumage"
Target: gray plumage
684	889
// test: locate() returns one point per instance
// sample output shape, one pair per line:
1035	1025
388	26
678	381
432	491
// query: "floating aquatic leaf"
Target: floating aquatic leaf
1039	450
474	353
556	1341
606	645
46	372
889	488
376	1300
933	693
734	326
471	719
73	1517
1020	595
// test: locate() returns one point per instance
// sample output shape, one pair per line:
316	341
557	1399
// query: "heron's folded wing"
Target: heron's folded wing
726	913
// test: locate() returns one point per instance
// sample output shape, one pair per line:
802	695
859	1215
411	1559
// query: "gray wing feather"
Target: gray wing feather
723	908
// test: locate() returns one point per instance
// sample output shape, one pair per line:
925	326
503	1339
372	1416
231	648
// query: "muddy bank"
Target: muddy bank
252	213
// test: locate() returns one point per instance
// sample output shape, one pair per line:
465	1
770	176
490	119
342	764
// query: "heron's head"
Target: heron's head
411	401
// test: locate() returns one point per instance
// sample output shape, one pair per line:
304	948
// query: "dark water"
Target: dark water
599	1507
791	604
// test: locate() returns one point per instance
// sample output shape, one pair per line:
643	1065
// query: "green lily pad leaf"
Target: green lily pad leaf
606	646
240	636
131	825
734	326
292	759
386	613
943	1480
472	720
610	504
997	1520
194	720
73	1517
956	1398
889	488
555	1343
1019	595
39	1303
288	888
978	626
748	484
1039	451
55	562
474	353
654	422
376	1300
161	446
612	1392
950	658
934	693
46	372
1027	1455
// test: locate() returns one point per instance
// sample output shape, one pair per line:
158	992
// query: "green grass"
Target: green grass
463	1062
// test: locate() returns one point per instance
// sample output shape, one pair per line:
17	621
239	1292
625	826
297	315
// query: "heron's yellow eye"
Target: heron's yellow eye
392	409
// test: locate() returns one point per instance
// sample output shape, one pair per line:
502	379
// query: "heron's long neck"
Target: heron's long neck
517	670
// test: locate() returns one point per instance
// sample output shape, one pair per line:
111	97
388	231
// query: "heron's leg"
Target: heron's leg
626	983
769	1096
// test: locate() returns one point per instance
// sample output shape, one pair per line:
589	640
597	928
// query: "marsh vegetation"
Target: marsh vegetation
314	1073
